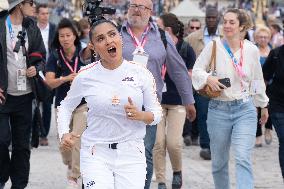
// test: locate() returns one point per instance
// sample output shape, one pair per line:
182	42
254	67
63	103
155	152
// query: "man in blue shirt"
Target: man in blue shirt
140	34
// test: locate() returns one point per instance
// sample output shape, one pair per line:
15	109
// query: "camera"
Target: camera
95	12
21	40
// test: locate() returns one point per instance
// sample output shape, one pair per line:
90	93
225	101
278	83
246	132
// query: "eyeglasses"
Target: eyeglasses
31	2
139	7
192	27
263	37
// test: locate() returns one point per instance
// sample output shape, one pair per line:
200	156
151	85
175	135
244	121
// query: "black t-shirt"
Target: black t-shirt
56	64
273	70
171	96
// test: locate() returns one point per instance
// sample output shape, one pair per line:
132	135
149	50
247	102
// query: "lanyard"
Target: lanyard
238	65
11	32
73	70
136	40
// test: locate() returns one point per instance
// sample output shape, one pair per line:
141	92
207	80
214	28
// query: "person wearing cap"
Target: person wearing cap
16	92
4	5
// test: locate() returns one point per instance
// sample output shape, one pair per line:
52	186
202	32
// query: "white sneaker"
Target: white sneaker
154	179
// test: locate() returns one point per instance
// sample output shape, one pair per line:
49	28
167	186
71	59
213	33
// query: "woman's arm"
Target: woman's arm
258	88
67	106
199	71
153	109
132	113
53	82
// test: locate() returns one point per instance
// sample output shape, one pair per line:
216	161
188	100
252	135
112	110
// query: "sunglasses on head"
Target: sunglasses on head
192	27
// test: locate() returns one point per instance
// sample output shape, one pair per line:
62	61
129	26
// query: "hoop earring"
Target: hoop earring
95	55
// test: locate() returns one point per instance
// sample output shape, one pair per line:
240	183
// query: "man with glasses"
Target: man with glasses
193	25
198	40
143	44
15	91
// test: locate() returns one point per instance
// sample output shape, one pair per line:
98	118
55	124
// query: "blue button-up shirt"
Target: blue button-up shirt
158	55
207	38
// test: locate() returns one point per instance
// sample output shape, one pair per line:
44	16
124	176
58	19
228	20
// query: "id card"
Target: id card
21	80
164	88
141	57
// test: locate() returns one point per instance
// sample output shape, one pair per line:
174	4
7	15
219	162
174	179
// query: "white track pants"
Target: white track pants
121	168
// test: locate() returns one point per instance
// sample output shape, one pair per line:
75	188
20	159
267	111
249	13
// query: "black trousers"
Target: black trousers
268	124
46	116
15	126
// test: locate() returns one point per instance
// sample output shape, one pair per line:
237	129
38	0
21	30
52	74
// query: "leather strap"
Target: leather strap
212	65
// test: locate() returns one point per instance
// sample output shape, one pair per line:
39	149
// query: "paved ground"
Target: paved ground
48	172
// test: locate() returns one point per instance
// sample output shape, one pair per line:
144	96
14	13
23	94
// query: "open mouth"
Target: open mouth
112	51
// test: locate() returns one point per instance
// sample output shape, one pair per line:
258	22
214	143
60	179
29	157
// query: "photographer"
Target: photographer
15	86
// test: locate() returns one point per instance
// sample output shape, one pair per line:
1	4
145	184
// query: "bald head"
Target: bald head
139	13
148	3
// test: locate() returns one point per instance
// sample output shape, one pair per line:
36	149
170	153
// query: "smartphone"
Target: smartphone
225	81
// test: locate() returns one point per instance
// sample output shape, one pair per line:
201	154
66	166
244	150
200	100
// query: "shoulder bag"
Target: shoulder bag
207	90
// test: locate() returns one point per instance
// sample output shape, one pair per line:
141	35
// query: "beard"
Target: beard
137	22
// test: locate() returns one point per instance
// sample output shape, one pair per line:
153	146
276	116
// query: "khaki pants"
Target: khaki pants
77	125
169	136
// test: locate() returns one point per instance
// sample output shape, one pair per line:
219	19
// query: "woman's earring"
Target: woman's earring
95	55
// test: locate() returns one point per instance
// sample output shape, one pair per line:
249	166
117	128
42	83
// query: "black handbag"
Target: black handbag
43	91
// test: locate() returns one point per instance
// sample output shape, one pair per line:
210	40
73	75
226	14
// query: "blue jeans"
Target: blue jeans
232	122
201	104
278	123
149	142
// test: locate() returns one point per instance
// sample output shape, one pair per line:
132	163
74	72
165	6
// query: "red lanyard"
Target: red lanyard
73	70
136	40
164	70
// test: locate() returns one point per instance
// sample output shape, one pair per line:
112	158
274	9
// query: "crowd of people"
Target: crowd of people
127	92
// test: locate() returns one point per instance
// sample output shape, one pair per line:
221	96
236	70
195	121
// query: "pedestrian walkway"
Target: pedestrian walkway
48	172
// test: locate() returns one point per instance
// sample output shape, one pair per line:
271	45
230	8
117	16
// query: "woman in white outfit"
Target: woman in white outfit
112	149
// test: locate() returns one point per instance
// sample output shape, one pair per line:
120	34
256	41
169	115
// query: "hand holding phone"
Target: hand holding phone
225	81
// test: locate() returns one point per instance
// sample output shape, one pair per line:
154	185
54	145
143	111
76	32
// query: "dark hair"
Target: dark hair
38	6
95	24
243	17
171	20
276	27
65	23
211	9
